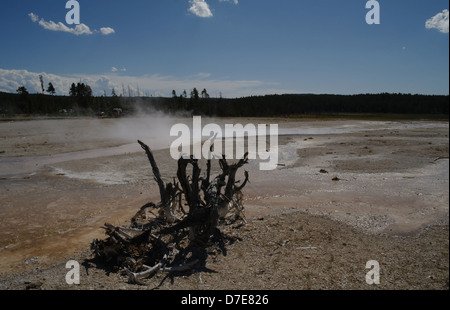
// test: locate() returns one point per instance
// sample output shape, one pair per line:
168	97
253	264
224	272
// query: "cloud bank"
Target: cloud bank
147	85
80	29
439	22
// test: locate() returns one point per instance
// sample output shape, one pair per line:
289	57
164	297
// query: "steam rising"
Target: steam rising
28	146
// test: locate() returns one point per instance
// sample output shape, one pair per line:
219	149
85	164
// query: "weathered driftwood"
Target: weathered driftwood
138	277
189	212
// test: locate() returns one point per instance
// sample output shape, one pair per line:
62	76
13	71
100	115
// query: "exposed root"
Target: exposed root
185	223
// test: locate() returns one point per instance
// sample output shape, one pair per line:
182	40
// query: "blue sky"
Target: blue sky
235	47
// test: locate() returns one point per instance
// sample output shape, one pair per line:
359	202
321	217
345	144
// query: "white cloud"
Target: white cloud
234	1
107	31
200	8
115	69
80	29
202	75
11	80
33	17
51	25
439	22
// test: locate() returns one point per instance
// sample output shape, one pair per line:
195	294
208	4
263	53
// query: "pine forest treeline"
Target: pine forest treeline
81	102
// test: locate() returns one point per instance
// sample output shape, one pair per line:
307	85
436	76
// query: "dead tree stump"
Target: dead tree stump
185	222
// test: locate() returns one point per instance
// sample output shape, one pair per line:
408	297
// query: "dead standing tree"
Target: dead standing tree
175	239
